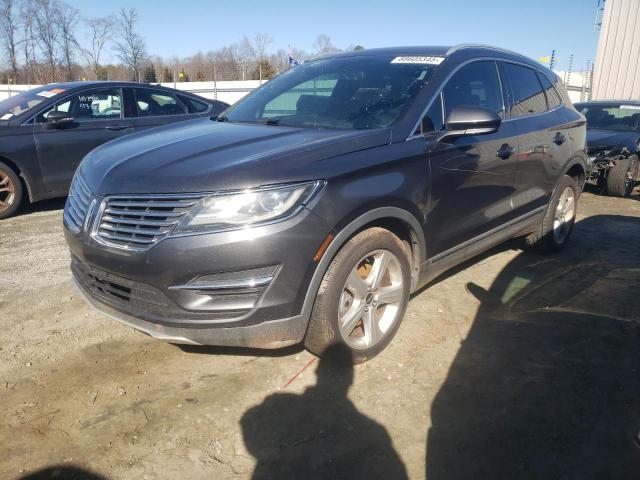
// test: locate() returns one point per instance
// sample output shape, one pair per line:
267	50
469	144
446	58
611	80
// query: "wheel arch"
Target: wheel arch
400	222
24	178
576	169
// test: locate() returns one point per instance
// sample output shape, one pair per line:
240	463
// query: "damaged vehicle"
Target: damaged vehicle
310	210
613	142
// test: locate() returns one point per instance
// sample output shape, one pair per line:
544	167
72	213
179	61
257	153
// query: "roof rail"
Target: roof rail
462	46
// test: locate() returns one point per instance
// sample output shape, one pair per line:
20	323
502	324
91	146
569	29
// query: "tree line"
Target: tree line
45	41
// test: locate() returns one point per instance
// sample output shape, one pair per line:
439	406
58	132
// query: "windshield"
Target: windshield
346	93
621	118
20	103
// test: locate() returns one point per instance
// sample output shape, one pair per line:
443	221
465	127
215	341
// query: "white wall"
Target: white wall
229	92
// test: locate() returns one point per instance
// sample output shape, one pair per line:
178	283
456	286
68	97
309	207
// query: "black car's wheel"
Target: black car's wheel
10	191
557	224
362	297
622	176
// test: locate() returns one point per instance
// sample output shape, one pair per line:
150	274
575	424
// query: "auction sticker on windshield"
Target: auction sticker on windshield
50	93
419	59
6	116
630	107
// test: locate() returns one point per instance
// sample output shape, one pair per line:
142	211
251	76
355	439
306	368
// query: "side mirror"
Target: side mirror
57	118
463	121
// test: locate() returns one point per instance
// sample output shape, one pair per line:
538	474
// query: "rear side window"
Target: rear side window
474	85
193	105
553	98
528	97
154	103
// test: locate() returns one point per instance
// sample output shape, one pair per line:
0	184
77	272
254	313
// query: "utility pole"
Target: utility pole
568	80
215	84
593	65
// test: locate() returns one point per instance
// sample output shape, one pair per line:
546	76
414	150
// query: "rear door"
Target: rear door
472	176
98	118
544	146
155	107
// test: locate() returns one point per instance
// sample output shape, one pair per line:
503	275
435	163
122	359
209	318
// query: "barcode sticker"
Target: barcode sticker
419	59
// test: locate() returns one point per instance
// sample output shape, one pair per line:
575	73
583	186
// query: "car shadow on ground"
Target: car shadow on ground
43	206
62	472
319	434
547	381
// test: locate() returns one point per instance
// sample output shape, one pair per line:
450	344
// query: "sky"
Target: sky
530	27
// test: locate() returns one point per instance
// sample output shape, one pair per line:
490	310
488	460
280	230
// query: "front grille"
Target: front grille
77	204
137	222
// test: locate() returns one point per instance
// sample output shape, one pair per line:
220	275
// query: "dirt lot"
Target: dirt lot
513	366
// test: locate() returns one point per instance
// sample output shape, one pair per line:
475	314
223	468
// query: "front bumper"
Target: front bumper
272	334
158	291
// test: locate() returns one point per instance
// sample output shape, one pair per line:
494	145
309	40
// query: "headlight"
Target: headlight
247	207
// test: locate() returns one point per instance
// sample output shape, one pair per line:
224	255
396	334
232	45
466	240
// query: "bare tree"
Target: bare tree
323	45
131	50
27	14
256	49
68	17
99	32
47	32
9	34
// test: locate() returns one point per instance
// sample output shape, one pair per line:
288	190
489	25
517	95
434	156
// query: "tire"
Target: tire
11	191
622	176
356	300
557	224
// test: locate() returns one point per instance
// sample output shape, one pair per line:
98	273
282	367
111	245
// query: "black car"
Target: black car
311	209
46	131
613	143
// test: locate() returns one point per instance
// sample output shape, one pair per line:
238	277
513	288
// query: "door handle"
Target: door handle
505	151
116	127
559	139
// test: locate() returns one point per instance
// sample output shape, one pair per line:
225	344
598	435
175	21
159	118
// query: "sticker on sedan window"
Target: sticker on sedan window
630	107
6	116
50	93
419	59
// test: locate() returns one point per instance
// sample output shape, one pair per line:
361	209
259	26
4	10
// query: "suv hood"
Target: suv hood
203	155
605	139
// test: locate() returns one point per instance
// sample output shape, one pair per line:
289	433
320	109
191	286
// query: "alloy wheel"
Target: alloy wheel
371	299
565	213
7	192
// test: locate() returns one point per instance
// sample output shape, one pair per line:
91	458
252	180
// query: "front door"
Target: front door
472	177
98	117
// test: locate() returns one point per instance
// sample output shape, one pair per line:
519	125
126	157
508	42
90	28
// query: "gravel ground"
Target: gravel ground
513	366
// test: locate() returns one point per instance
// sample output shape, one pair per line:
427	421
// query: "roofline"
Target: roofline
464	46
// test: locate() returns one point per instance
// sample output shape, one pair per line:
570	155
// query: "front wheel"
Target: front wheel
557	224
362	297
622	176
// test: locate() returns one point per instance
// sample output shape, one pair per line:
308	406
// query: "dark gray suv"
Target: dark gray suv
313	208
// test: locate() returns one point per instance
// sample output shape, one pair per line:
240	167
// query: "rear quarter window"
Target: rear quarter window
194	106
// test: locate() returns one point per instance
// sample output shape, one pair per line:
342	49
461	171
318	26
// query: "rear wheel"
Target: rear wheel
622	176
557	224
362	297
10	191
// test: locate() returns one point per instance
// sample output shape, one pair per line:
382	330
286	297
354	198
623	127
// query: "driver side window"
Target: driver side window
474	85
102	104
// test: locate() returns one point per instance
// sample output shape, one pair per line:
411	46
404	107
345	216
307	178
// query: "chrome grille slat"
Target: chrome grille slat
136	222
151	204
125	239
142	231
142	213
77	204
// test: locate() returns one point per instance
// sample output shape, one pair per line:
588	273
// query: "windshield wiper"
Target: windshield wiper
220	118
